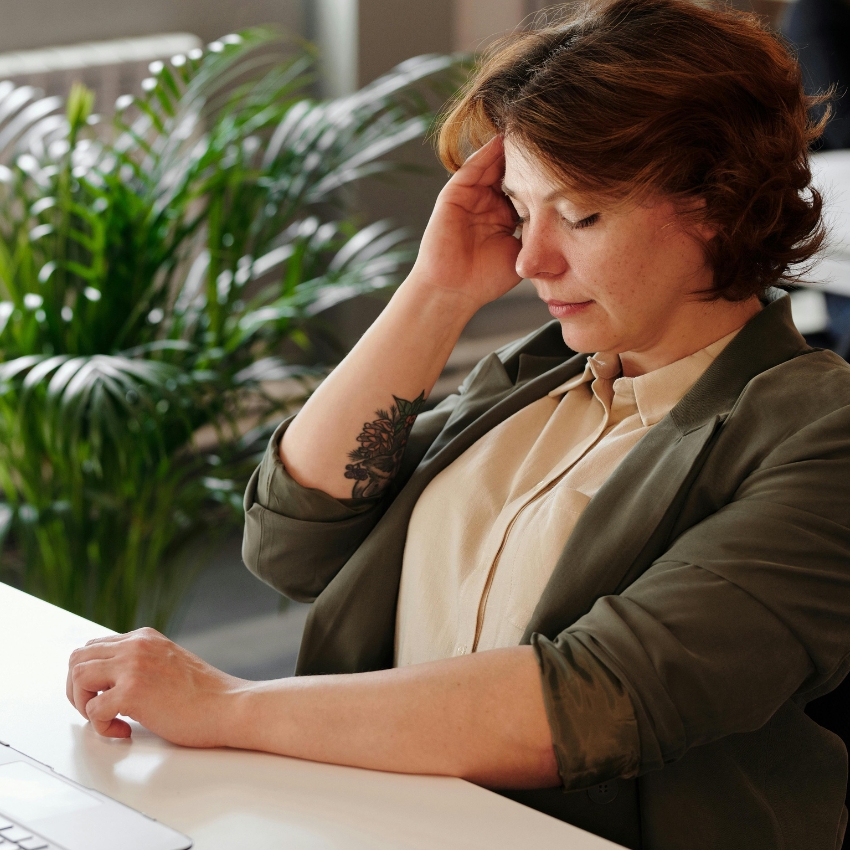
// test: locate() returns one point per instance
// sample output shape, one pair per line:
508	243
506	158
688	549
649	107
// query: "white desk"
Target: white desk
227	799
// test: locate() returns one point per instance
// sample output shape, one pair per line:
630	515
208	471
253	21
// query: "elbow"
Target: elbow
527	768
298	588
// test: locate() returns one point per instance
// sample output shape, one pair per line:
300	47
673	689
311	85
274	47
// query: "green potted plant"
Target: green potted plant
154	272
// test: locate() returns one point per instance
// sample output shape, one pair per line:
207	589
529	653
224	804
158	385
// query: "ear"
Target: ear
693	209
706	230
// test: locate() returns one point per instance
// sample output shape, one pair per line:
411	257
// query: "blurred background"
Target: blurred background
118	47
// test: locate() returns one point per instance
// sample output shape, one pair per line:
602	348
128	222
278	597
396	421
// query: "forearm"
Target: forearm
401	355
480	717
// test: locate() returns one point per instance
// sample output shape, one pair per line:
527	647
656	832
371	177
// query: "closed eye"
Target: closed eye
589	221
585	222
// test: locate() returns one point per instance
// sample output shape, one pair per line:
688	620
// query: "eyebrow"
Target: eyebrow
555	193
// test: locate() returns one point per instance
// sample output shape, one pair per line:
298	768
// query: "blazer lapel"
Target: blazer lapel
500	386
488	403
626	525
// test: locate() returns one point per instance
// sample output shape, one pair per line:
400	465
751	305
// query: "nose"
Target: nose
541	255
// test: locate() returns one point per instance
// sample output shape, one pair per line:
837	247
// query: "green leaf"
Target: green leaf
186	251
80	104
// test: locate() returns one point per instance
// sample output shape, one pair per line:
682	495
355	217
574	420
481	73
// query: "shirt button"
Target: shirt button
460	650
604	793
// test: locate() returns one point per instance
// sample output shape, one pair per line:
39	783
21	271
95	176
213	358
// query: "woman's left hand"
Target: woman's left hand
152	680
481	717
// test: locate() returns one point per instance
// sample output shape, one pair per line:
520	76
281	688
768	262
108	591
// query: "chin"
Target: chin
585	340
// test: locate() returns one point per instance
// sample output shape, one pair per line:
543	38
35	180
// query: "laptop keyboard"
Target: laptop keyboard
16	837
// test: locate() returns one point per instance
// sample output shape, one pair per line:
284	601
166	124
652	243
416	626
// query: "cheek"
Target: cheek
615	272
644	266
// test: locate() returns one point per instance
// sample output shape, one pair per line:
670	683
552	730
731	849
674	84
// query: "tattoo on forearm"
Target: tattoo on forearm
382	444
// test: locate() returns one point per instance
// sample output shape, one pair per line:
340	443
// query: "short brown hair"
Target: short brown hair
630	97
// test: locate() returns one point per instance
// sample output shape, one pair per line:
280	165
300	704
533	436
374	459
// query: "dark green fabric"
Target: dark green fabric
310	531
578	692
702	598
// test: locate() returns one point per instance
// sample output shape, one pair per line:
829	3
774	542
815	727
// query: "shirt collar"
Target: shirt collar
601	365
656	393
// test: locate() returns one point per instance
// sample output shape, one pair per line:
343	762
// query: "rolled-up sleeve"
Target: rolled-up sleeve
745	610
297	538
593	723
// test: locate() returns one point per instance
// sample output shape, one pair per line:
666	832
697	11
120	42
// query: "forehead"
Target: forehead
523	167
527	177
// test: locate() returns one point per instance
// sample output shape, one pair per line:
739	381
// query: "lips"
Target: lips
564	309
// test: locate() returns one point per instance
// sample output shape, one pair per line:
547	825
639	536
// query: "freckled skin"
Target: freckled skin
639	266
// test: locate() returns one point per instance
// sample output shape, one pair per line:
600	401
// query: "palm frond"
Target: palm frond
156	270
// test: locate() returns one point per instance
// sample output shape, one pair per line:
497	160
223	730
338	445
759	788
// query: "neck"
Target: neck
699	325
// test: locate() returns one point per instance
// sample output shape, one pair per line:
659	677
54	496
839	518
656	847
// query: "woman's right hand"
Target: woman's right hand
468	257
468	247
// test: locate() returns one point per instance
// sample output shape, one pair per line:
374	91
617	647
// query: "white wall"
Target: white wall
369	35
28	24
476	22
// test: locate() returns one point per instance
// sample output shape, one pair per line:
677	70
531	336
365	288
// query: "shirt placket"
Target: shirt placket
476	589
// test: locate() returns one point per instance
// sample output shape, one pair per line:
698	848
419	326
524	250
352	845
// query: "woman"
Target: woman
605	585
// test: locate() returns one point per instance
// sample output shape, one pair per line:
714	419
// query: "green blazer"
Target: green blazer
702	599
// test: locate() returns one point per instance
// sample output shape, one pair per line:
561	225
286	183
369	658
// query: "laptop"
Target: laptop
41	810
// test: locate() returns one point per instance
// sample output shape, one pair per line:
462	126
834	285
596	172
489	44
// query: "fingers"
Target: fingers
101	676
103	647
88	678
145	676
94	649
103	710
145	632
76	696
95	695
116	728
485	167
106	639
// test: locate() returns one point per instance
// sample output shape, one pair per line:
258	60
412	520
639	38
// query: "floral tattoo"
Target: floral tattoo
382	444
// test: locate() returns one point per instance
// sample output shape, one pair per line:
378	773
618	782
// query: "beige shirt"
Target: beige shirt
486	533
